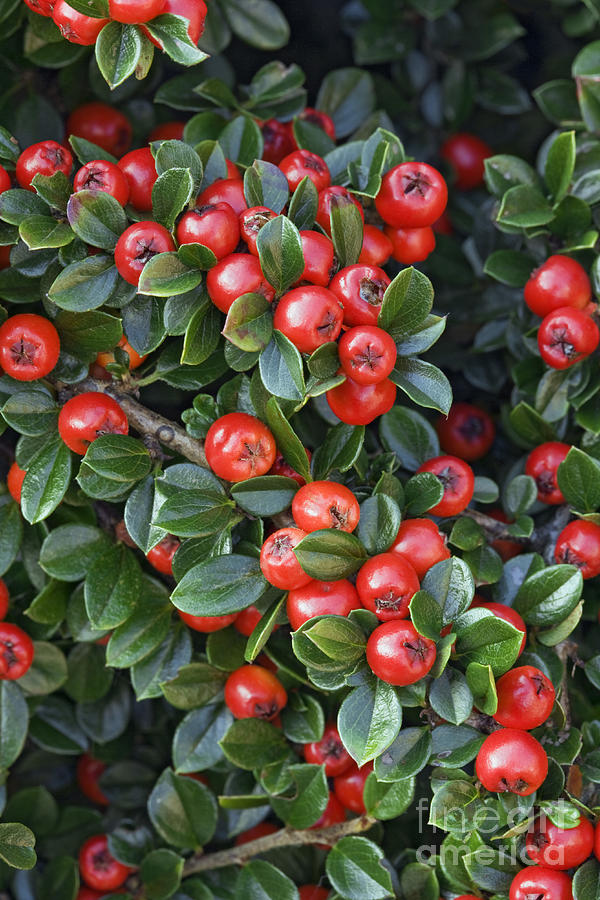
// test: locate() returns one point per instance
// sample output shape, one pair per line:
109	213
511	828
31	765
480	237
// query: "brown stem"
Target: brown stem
237	856
566	650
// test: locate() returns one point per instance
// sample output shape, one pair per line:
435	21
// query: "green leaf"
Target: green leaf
423	382
89	679
422	492
426	615
560	163
484	638
166	275
329	642
46	483
160	873
406	755
524	206
530	425
408	435
14	721
369	720
288	443
69	550
509	267
419	881
195	684
16	846
253	744
17	205
406	303
241	141
39	232
196	745
86	284
450	696
348	96
379	522
48	672
266	185
520	494
281	369
87	332
329	554
219	586
339	451
97	218
302	209
182	810
549	596
451	584
112	588
480	679
346	230
249	323
266	495
385	800
586	881
354	868
305	802
280	253
259	880
32	411
578	477
263	630
171	194
196	513
261	24
140	634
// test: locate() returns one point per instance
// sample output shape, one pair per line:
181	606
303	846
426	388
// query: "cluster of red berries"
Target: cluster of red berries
78	28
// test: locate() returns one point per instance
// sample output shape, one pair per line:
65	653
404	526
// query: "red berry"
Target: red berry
331	196
14	483
376	248
103	125
506	613
334	814
134	12
525	698
398	654
192	10
161	555
257	831
277	141
321	598
560	848
579	545
100	175
29	346
168	131
5	257
246	621
557	283
239	446
443	225
216	226
301	164
309	316
566	336
511	760
207	624
360	404
319	258
506	549
225	190
360	290
85	417
467	431
86	893
250	223
466	154
312	892
320	119
421	542
16	652
44	158
329	751
457	480
367	354
5	182
325	504
140	171
107	357
137	245
76	27
541	883
278	561
412	195
281	467
597	842
4	599
542	465
234	275
99	869
349	787
254	692
41	7
386	584
89	771
411	245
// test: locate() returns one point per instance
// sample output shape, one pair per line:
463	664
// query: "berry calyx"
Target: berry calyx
541	883
215	226
367	354
309	316
100	175
360	290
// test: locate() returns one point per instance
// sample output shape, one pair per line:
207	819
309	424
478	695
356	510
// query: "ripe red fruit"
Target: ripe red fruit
29	346
250	223
360	404
312	892
319	258
334	814
106	357
422	543
102	125
367	354
167	131
86	893
525	698
302	163
557	283
216	226
329	751
5	257
398	654
309	316
99	869
16	652
560	848
541	883
320	119
542	465
100	175
506	613
412	195
281	467
511	760
161	555
360	290
457	480
239	446
566	336
41	7
328	198
137	245
467	431
278	561
349	787
134	13
4	599
443	225
14	483
5	182
579	545
254	692
325	504
505	548
76	27
277	141
466	154
376	248
85	417
207	624
89	771
411	245
386	584
246	621
321	598
44	158
257	831
597	842
234	275
192	10
225	190
140	171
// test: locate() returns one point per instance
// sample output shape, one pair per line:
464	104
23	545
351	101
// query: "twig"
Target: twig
566	650
237	856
